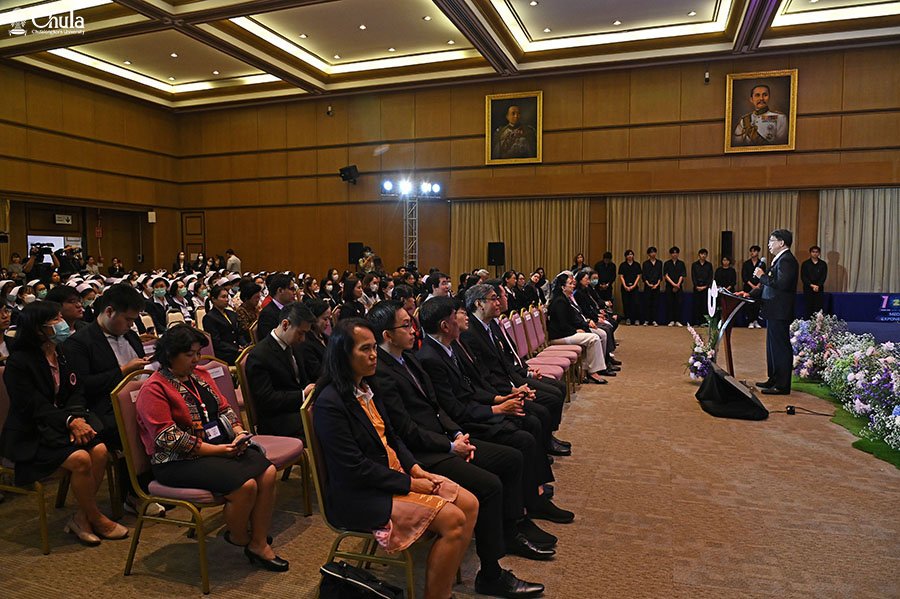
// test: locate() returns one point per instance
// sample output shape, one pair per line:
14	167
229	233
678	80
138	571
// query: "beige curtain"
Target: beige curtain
696	221
4	226
859	231
539	232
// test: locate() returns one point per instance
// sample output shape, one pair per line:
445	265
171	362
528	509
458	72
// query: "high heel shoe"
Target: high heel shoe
88	538
117	532
276	564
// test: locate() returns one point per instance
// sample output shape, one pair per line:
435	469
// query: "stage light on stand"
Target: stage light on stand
425	187
405	187
435	188
387	186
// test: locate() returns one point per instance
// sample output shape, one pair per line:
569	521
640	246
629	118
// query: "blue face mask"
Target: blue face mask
61	332
183	292
595	282
159	292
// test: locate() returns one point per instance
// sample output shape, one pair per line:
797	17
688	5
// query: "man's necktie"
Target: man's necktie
413	377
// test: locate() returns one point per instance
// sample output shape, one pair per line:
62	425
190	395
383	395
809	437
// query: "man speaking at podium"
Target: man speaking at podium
778	288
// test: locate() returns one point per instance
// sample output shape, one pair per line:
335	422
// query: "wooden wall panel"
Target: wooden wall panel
607	98
433	108
870	130
871	79
467	109
700	100
398	115
605	144
655	95
300	118
332	129
13	98
818	89
272	127
364	114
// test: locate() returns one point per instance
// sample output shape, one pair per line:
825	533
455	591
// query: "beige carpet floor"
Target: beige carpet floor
670	503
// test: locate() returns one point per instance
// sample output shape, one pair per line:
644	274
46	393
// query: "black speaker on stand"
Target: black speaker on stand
496	255
354	252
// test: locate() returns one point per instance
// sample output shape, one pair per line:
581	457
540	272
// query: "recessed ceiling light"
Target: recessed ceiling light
171	78
693	13
392	49
215	72
173	55
813	1
546	30
303	36
617	22
426	18
363	27
533	2
451	42
337	56
127	62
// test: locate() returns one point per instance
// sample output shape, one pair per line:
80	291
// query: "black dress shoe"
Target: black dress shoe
507	585
765	385
561	442
547	510
548	490
534	533
557	449
606	372
591	380
613	361
775	391
521	546
276	564
612	368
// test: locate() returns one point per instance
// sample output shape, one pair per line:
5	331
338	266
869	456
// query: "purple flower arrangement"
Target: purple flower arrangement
700	363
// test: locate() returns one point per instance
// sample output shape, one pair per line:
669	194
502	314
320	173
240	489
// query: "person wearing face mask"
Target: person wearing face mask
222	325
178	300
48	426
182	264
537	290
88	297
370	290
327	293
778	290
276	374
199	265
157	305
72	309
199	292
39	289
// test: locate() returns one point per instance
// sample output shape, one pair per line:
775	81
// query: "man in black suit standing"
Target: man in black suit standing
493	473
276	377
101	354
778	289
282	291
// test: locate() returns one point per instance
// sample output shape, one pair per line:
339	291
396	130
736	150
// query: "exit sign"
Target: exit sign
63	219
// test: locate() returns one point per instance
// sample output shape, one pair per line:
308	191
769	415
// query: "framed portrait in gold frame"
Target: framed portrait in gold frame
761	111
513	124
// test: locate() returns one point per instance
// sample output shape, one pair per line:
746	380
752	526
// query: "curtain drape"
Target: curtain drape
541	232
4	226
859	231
696	221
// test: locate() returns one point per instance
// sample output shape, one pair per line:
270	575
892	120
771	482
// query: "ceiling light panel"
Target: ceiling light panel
151	55
802	12
389	24
579	23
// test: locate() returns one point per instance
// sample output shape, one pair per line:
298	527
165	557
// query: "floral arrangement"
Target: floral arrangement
811	339
864	376
700	362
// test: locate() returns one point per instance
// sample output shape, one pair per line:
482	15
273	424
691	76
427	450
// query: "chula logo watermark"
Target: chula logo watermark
61	24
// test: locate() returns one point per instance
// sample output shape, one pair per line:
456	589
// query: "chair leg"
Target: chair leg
135	537
63	490
286	474
306	481
410	581
201	545
42	514
115	496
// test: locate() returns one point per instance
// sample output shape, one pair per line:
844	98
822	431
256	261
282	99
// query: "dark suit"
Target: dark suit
225	333
360	484
469	403
95	363
495	474
778	289
312	356
277	389
38	415
353	309
269	318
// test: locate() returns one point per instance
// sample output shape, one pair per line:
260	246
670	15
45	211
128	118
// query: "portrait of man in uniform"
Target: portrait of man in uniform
513	128
761	111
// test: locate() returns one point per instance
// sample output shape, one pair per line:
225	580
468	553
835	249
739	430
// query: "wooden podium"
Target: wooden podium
730	304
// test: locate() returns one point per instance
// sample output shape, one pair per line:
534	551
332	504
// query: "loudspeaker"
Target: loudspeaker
726	248
723	396
354	252
496	253
350	174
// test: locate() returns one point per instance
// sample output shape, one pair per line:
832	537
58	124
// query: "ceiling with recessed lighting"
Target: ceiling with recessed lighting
189	54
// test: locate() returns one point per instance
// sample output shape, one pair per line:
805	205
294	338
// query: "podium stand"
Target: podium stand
730	304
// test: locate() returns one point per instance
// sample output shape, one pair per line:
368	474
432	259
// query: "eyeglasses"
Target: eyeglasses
493	298
408	325
74	302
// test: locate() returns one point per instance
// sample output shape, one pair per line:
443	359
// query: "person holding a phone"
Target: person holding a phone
184	423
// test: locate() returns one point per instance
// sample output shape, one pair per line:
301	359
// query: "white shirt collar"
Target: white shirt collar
446	349
281	343
778	255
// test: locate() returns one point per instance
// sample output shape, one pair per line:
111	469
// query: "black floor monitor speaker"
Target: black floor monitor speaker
354	252
727	246
722	395
496	253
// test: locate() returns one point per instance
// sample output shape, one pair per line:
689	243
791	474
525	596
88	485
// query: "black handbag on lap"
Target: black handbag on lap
340	580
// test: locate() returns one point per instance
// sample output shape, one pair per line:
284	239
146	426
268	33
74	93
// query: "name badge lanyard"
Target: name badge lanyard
200	403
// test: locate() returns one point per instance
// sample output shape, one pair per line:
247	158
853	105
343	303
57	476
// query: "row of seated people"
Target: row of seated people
481	383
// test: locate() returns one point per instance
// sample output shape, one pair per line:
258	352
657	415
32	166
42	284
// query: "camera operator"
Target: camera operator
36	268
70	261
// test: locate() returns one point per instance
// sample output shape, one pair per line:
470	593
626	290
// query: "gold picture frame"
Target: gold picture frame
764	119
517	141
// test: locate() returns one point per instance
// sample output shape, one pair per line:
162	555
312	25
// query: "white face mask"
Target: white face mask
373	287
28	298
389	292
329	288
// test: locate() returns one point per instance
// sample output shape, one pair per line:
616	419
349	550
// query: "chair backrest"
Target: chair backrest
540	325
220	373
199	313
4	399
249	406
254	330
530	331
328	326
207	350
317	461
123	399
173	316
147	321
516	329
